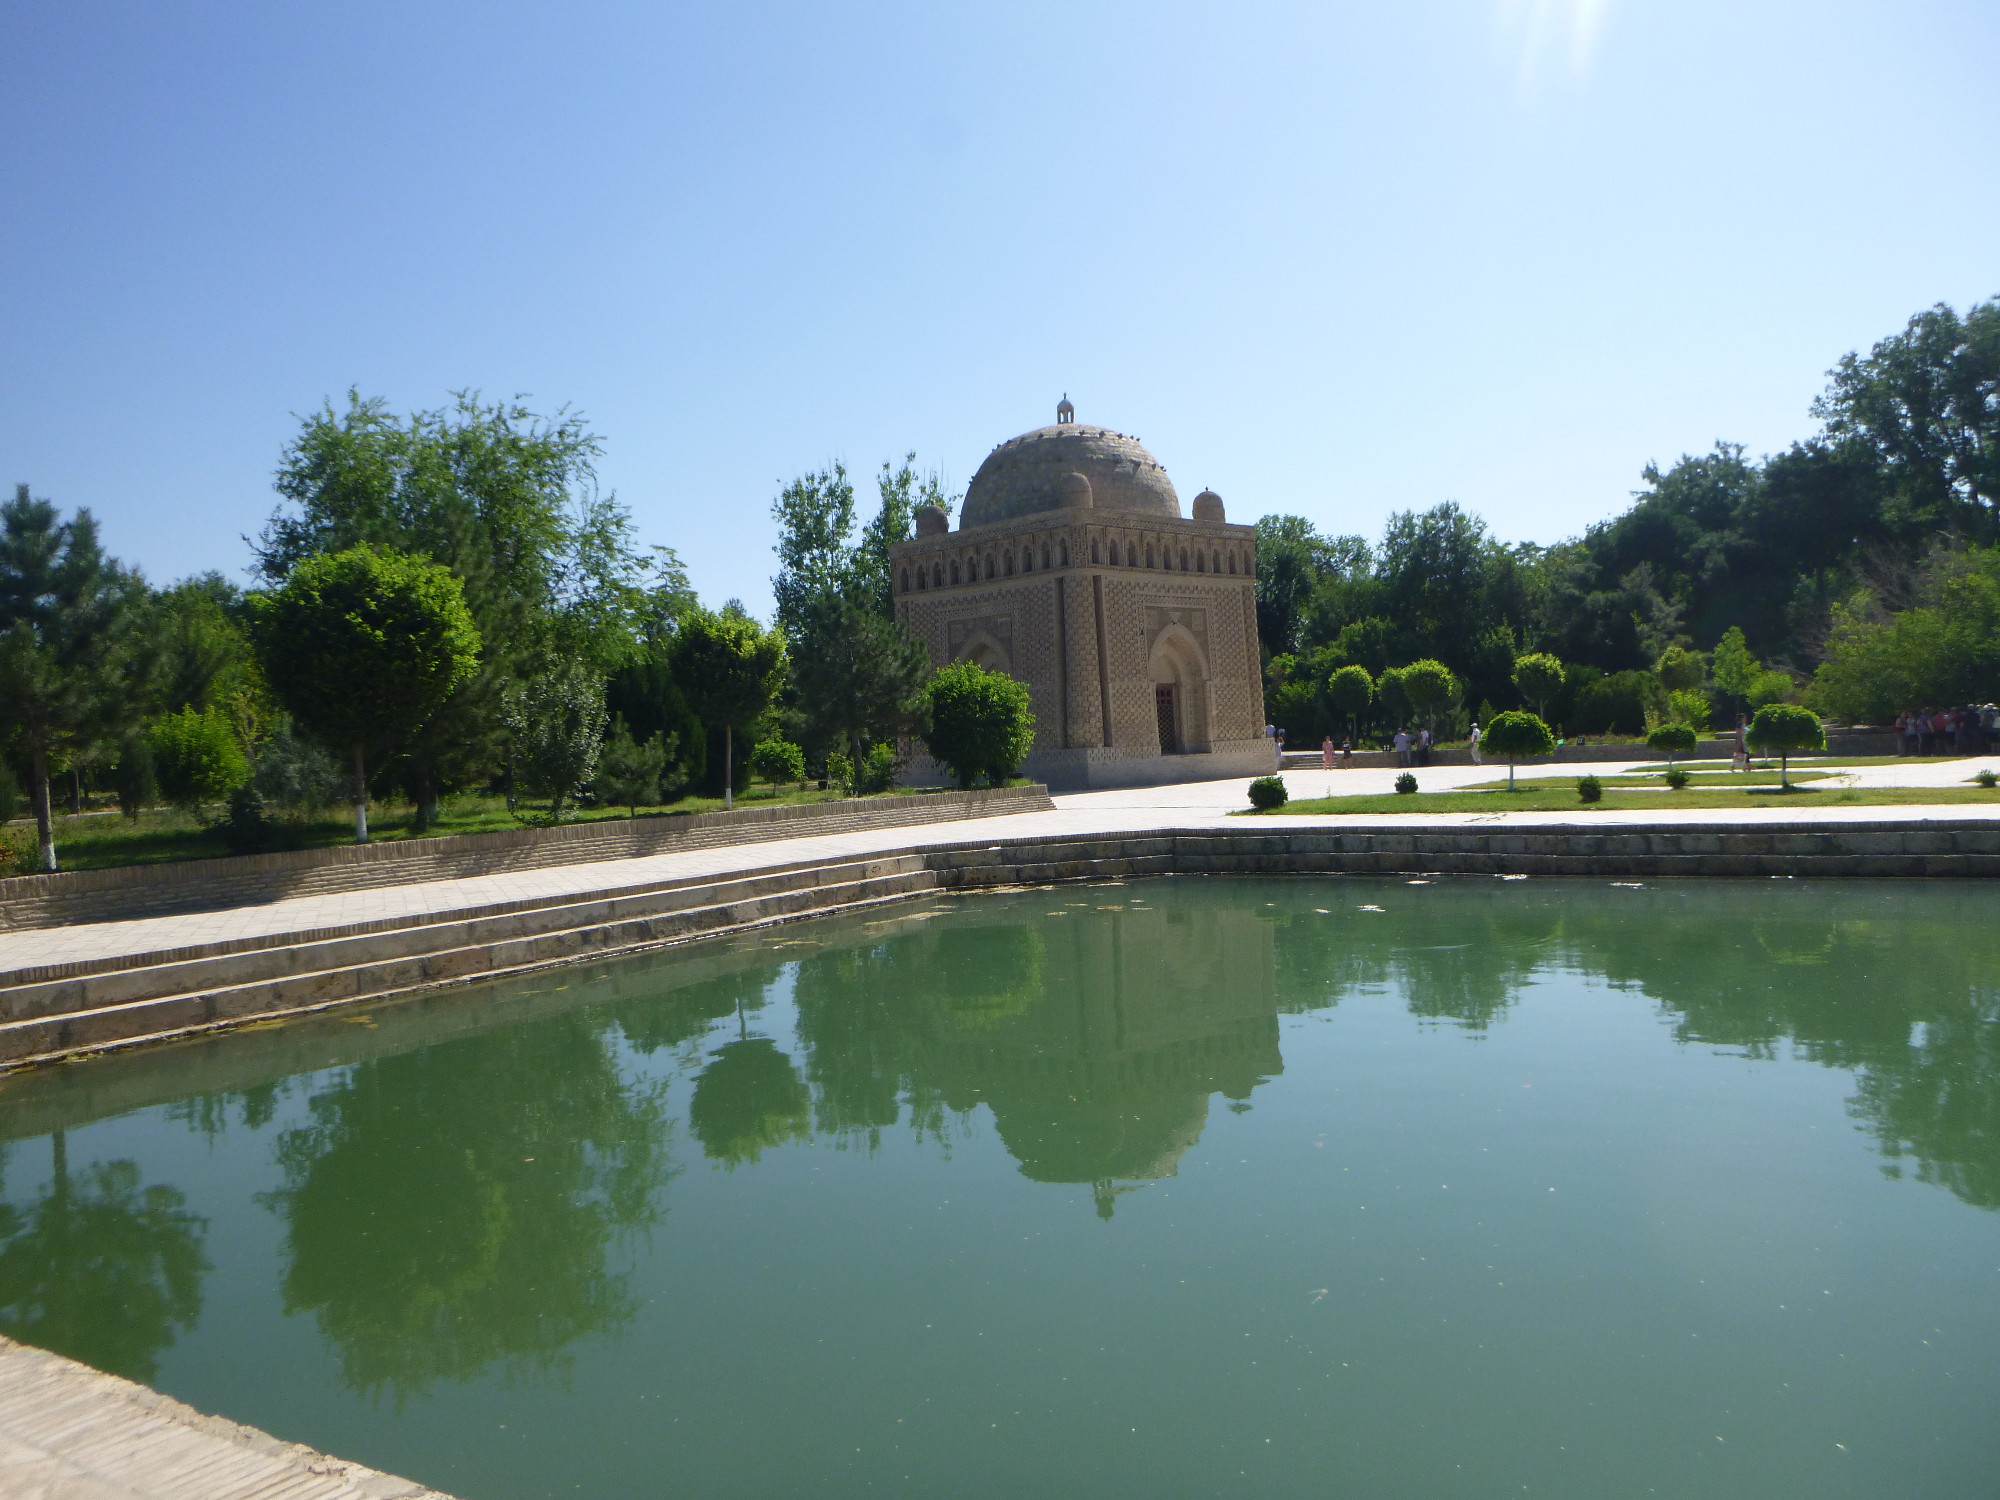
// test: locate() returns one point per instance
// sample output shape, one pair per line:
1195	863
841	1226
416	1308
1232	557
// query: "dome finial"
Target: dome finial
1064	411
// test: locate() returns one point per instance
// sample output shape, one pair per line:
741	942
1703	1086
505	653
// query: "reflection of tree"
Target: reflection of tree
748	1098
666	1018
1096	1042
452	1209
208	1114
100	1268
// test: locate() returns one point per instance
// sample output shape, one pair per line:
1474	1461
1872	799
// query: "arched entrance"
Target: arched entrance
1180	692
982	650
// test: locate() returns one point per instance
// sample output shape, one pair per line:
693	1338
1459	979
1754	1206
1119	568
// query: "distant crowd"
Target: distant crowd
1949	731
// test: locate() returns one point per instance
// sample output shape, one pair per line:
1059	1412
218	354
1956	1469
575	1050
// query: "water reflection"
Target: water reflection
454	1182
99	1267
452	1209
1096	1044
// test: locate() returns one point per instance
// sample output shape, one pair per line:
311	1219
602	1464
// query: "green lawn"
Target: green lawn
98	840
1561	797
1653	779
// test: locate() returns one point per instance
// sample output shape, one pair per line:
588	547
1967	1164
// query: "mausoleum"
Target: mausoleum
1134	627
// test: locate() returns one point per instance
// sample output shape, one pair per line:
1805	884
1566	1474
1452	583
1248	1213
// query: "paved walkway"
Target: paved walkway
1186	806
70	1433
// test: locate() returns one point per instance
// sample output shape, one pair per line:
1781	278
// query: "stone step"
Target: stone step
364	979
114	983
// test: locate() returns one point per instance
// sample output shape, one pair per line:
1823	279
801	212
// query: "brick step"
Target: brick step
365	978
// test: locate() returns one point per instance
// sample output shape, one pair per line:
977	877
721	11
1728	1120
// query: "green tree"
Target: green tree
1946	649
508	501
1431	689
778	760
629	770
904	492
1787	729
858	676
1517	736
1735	670
1923	402
1350	689
555	728
1689	706
1681	669
196	757
67	653
1672	740
1539	676
361	647
728	668
978	723
815	516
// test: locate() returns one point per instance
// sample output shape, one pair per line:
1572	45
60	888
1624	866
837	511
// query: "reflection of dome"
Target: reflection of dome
1028	473
1208	506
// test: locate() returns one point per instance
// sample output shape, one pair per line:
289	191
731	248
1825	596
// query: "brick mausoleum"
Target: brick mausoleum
1134	628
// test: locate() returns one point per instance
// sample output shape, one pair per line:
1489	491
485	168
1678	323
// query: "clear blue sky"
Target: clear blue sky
1330	260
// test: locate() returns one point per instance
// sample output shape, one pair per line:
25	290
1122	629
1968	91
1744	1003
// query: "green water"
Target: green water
1175	1187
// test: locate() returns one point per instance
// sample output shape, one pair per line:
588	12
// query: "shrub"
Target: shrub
196	757
778	760
1987	779
877	770
296	774
1785	728
1516	735
629	771
246	828
1406	784
1676	778
1590	789
1267	792
132	779
1622	703
977	722
840	773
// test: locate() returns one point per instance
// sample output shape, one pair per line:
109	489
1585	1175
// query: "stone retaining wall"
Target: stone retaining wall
1931	848
29	901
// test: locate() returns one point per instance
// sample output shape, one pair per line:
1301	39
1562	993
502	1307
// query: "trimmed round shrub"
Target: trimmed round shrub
1785	728
1987	779
778	760
1676	778
1672	741
1590	789
1267	792
1406	783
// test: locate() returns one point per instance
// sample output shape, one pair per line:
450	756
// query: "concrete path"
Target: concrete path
1189	805
70	1433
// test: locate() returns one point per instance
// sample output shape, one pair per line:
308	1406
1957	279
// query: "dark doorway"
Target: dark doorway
1170	733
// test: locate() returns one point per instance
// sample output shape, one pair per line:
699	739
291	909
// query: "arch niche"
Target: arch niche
982	650
1179	674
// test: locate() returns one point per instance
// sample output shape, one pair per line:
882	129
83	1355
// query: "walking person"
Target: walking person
1739	759
1326	753
1402	744
1475	744
1346	753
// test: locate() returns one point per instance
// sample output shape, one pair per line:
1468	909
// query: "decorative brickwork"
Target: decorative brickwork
1134	628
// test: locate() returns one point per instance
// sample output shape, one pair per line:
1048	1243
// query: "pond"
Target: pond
1156	1188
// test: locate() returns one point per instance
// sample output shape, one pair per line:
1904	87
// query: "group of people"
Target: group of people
1949	731
1411	750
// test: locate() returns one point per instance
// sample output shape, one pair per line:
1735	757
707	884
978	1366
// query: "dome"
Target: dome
1073	490
1208	506
1030	473
932	521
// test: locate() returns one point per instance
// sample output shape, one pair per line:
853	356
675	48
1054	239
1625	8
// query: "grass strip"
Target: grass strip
1563	798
